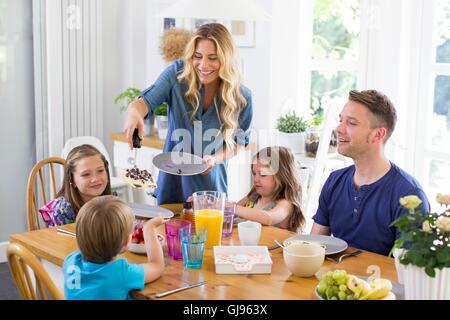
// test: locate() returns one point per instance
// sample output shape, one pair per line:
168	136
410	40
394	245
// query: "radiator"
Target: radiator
68	72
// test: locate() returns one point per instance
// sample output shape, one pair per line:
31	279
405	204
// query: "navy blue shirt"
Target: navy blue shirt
362	217
199	136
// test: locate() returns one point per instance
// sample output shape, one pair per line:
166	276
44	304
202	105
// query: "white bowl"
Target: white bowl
304	259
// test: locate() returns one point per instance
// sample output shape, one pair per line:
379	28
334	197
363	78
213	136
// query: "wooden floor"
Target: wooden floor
8	290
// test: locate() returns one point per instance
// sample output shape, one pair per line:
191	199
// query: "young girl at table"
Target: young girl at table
103	230
276	196
86	176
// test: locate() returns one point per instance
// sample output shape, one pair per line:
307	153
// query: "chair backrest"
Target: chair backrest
78	141
42	181
20	261
333	108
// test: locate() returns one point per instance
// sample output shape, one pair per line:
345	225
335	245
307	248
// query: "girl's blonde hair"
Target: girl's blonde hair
103	226
287	186
230	78
68	189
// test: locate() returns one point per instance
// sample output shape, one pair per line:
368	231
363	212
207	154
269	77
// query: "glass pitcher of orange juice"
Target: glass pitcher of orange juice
208	213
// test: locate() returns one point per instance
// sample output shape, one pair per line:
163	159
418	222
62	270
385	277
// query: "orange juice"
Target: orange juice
211	220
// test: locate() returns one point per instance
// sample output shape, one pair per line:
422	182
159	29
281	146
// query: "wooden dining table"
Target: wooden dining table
49	244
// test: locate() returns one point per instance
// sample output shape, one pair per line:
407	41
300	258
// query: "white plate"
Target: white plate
179	163
148	211
332	245
397	289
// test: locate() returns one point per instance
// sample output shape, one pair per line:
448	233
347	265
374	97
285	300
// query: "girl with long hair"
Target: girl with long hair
86	176
276	196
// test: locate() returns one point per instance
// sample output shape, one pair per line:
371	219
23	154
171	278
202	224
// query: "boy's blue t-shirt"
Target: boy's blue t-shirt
363	217
85	280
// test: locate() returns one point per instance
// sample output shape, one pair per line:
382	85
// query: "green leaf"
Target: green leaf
430	271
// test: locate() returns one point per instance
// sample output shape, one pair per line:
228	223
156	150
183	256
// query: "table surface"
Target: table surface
52	246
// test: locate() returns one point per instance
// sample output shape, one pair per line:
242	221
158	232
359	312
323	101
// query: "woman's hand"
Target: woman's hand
211	161
135	119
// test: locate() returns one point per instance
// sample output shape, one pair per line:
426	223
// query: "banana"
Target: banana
390	296
358	286
380	288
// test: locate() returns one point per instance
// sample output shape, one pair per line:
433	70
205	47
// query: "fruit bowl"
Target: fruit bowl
338	285
137	244
139	248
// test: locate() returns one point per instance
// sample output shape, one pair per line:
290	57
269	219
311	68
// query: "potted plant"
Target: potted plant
161	120
291	131
128	96
422	252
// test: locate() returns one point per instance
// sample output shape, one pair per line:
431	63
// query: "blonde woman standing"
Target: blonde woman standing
209	112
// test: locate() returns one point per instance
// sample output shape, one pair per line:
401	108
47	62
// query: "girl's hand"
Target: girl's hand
211	161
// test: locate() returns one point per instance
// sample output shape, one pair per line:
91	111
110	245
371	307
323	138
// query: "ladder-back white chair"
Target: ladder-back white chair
321	171
117	183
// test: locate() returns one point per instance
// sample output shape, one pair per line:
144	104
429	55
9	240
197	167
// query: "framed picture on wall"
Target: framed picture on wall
243	32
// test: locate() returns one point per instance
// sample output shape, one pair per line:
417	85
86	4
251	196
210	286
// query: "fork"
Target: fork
346	255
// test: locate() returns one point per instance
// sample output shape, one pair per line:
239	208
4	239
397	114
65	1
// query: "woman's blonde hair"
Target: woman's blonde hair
287	186
68	189
230	78
103	226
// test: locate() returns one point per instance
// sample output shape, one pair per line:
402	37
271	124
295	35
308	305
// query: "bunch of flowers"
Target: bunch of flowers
173	43
424	235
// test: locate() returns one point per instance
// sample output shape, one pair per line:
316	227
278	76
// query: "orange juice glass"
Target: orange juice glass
208	210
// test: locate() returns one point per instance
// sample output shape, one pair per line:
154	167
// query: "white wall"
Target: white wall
16	114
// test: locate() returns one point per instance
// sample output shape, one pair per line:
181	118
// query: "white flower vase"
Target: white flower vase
398	266
420	286
162	122
294	141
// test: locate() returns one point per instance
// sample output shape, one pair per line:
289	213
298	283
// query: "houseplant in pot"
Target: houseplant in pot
291	132
128	96
161	120
422	252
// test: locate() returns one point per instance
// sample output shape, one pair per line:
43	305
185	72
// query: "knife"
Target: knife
136	144
166	293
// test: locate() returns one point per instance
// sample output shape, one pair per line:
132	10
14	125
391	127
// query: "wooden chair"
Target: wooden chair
20	261
37	185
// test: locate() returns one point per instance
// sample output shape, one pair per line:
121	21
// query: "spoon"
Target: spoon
280	245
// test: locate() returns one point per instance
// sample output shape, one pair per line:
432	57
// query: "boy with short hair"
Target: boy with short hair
103	230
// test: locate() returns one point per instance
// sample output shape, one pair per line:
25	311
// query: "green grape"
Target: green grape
322	287
329	293
350	297
342	295
333	298
342	281
343	287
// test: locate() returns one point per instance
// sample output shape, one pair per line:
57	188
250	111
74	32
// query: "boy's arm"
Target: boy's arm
155	265
267	217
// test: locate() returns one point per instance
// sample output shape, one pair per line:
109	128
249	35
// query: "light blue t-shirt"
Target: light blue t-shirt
85	280
363	217
199	136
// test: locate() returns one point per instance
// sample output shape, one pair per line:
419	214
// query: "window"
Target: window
335	56
432	156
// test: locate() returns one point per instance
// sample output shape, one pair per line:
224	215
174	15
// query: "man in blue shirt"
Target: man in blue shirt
359	203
